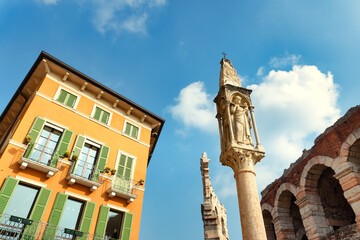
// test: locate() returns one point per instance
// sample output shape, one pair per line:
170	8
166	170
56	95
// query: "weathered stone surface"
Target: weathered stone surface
213	212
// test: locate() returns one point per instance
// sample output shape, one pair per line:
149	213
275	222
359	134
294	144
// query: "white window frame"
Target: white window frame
124	127
133	163
117	208
69	91
104	109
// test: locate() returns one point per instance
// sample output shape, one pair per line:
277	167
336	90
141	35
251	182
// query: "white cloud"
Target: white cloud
260	71
290	106
195	108
48	2
123	15
288	60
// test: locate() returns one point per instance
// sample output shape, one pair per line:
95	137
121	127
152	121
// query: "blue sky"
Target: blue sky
301	58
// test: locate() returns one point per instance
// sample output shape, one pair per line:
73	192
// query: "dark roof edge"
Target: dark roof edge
44	54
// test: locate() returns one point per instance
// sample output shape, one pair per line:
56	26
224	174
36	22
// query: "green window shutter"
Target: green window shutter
126	230
79	143
105	117
62	96
6	192
71	101
55	216
62	146
37	213
57	209
104	153
134	132
128	128
102	220
34	133
87	217
40	204
97	113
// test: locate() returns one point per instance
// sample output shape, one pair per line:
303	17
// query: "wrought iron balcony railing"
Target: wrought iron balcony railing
16	228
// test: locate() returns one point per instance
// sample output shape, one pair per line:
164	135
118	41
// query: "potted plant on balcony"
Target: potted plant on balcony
107	169
27	140
66	154
113	171
74	157
141	182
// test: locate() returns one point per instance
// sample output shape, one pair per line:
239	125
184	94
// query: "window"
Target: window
71	215
45	146
18	203
131	130
48	142
22	201
67	98
91	160
86	161
122	180
101	115
114	224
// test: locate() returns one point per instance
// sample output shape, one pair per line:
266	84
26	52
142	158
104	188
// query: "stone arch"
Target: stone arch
322	190
268	207
287	218
310	174
285	187
345	147
267	212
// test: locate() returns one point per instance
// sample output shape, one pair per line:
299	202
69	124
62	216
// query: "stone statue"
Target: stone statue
241	122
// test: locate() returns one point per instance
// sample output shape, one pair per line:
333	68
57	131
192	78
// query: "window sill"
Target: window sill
130	197
83	181
25	162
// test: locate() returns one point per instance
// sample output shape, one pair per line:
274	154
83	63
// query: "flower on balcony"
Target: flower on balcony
107	169
113	171
74	157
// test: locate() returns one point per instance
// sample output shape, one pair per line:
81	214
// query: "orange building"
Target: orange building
74	156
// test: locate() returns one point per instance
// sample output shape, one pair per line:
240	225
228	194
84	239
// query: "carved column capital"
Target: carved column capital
240	159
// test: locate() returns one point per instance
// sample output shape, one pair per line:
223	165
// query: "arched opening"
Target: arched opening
354	152
223	227
269	225
338	211
291	223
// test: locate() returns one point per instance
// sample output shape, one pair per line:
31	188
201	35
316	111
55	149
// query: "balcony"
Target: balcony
92	182
123	187
16	228
41	164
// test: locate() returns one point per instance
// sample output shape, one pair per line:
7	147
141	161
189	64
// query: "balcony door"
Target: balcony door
124	173
45	146
86	161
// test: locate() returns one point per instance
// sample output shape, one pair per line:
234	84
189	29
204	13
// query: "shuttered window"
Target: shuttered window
101	115
91	158
114	224
125	166
48	142
67	98
131	130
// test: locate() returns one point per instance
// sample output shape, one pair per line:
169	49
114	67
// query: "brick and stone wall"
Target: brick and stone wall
318	196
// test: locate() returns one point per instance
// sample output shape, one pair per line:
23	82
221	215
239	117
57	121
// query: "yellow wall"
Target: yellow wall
79	124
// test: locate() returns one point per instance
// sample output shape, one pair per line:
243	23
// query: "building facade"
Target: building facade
318	196
212	211
74	156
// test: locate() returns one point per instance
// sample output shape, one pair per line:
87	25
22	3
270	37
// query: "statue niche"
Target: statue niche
236	123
